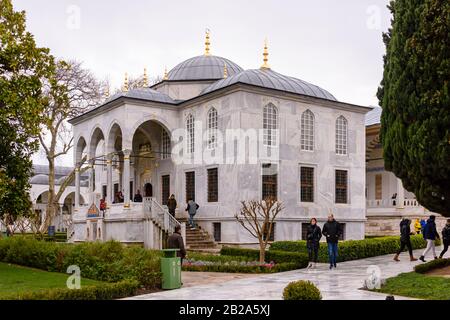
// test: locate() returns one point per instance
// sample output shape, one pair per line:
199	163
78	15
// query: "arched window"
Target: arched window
341	135
270	125
190	133
212	128
307	131
165	145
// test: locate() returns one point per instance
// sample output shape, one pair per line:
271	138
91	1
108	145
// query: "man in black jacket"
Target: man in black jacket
332	231
445	238
405	240
175	241
430	234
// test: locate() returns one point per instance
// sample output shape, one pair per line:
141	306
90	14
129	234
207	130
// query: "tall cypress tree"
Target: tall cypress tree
414	95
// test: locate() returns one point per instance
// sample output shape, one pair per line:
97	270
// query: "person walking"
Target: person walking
405	240
430	234
332	232
417	226
313	235
176	241
192	208
422	225
445	238
172	205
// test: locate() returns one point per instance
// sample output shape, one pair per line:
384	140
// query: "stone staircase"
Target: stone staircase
199	239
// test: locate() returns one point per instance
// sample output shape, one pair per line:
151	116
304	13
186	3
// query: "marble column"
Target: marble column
400	194
109	184
77	188
91	182
126	178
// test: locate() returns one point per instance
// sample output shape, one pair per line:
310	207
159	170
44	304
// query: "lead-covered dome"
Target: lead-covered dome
270	79
204	67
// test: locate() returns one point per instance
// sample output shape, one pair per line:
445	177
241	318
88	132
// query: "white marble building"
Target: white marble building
39	194
297	143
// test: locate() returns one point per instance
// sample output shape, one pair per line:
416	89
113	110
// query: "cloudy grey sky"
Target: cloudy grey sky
334	44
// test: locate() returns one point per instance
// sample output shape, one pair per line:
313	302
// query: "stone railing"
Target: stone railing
392	203
160	215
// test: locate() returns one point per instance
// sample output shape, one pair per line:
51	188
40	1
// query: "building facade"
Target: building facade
219	134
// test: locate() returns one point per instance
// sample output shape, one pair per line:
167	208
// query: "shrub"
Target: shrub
109	261
236	268
301	259
124	288
352	249
431	265
301	290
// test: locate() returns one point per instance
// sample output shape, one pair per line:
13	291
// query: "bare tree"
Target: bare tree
257	217
73	92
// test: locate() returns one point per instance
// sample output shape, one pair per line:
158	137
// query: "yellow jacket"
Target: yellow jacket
417	226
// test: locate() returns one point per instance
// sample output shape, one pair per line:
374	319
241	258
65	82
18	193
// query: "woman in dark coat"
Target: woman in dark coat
313	235
405	241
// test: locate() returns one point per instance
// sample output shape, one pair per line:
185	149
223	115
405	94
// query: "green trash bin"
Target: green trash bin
171	269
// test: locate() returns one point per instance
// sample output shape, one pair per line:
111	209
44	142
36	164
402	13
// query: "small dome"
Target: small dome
205	67
143	94
268	78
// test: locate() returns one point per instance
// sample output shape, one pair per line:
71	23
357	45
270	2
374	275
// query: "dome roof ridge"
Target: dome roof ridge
271	79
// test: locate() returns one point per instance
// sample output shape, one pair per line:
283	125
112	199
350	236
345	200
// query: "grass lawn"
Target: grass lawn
15	279
416	285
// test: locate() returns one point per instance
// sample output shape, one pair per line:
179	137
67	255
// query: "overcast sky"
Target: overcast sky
334	44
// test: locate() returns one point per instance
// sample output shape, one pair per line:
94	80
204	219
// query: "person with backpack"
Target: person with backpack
332	231
192	208
430	234
445	238
405	240
313	235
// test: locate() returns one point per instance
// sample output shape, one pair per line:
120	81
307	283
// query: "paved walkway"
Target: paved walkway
343	283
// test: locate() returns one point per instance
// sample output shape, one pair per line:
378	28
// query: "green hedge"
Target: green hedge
230	268
431	265
351	249
301	290
124	288
301	259
109	261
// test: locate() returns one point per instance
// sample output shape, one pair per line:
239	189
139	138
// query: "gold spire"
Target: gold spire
266	56
107	92
145	78
166	75
225	70
125	83
207	43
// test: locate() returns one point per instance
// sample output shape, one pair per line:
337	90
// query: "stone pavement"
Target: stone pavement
343	283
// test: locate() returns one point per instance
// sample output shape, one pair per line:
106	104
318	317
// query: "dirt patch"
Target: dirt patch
442	272
191	279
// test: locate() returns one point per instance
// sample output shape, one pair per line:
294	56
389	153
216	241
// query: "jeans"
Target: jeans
404	244
332	253
446	244
313	250
430	247
191	220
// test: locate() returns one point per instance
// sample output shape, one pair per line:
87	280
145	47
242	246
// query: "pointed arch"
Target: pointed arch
307	131
341	135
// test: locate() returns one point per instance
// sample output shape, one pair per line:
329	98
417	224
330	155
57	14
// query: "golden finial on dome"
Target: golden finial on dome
166	75
145	78
225	71
266	56
125	83
107	92
207	43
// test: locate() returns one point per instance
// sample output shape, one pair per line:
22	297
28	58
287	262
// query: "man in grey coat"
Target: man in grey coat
192	208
